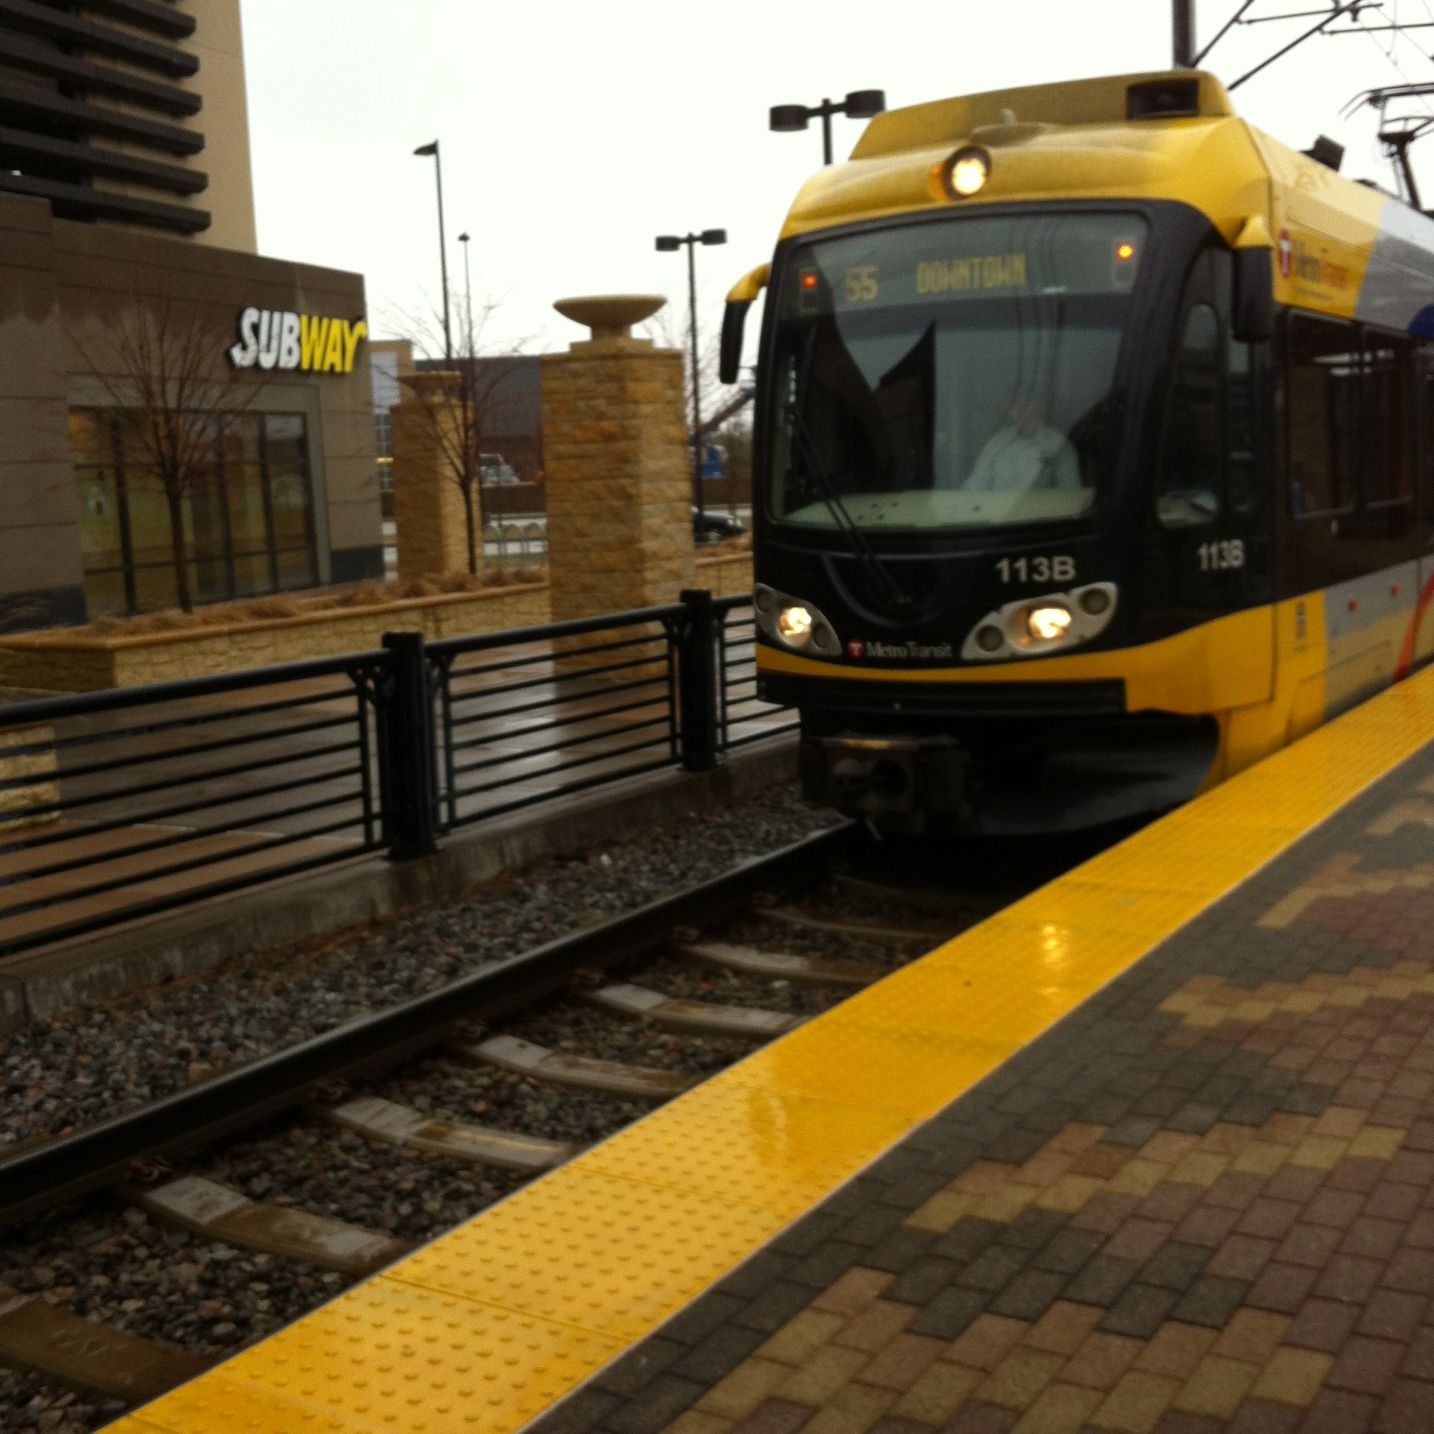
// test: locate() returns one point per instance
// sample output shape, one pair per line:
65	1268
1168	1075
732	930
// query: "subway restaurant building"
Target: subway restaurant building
262	366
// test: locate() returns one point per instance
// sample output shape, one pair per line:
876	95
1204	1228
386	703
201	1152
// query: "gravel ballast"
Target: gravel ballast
99	1062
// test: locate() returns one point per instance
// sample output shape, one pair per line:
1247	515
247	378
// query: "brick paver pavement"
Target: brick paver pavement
1204	1202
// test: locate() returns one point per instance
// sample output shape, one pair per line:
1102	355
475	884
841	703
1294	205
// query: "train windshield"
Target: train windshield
957	374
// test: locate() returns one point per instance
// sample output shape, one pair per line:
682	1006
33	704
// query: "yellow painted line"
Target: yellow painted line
491	1324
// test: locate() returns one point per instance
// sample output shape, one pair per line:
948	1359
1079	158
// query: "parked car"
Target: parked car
494	468
712	527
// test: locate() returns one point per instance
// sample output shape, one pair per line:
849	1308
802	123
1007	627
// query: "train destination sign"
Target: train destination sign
308	343
970	258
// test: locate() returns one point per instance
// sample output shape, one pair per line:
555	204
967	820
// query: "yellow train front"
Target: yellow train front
1094	454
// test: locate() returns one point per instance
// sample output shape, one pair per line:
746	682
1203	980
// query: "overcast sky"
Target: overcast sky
575	131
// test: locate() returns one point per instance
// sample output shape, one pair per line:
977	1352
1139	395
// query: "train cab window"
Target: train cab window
1188	490
1322	407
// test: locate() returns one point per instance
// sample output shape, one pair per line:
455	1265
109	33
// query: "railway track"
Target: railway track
553	1049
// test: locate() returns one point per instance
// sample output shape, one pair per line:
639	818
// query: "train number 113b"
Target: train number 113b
1216	557
1043	568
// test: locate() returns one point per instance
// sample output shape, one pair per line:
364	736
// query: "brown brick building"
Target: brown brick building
127	228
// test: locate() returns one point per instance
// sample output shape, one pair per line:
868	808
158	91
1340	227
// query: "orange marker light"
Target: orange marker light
809	281
1125	252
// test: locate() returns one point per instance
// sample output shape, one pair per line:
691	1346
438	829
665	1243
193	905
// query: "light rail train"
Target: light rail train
1094	454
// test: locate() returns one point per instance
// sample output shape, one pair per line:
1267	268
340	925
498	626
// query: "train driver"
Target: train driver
1025	453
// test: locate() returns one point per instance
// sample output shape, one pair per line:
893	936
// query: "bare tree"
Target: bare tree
670	328
461	413
163	363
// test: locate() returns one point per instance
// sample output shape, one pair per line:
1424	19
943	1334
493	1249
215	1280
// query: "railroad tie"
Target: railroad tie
779	965
393	1124
219	1213
710	1018
54	1341
527	1058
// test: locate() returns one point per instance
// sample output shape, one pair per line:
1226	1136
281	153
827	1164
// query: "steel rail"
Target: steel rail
46	1175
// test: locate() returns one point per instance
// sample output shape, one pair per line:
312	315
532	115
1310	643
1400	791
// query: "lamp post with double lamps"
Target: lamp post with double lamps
425	150
670	243
859	104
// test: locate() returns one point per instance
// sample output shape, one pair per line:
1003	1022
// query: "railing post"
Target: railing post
408	760
697	681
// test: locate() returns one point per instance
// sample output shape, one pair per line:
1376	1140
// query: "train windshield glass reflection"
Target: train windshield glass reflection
954	374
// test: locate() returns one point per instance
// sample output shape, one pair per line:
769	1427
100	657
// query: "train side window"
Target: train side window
1386	426
1188	490
1322	409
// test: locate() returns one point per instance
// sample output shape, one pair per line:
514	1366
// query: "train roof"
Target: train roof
1157	135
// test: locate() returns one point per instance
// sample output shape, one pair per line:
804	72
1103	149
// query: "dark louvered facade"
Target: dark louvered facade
100	111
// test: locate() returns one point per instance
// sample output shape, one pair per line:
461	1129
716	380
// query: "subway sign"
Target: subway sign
304	343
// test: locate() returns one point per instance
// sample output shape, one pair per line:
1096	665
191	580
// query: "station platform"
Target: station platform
1150	1150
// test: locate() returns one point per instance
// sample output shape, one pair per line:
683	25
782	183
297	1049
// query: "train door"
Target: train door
1211	535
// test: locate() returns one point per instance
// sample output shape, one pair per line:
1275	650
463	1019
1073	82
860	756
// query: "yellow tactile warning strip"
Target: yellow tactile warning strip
493	1323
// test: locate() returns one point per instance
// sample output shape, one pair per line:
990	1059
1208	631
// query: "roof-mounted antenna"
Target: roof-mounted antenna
1327	152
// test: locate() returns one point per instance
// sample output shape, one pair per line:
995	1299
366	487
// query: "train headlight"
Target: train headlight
967	172
1032	627
1049	622
795	624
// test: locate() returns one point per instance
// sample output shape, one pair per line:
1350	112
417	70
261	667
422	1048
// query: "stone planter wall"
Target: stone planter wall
36	771
726	575
53	662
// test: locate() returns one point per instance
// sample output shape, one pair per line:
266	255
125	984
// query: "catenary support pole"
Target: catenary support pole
1183	33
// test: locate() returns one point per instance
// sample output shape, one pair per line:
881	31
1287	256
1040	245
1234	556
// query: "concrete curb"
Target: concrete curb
36	987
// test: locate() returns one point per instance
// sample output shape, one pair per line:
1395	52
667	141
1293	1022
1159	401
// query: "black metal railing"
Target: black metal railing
121	804
541	712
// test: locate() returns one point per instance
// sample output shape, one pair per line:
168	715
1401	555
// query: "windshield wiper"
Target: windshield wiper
826	491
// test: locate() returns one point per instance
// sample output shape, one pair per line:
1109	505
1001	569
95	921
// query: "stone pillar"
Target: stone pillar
428	512
619	482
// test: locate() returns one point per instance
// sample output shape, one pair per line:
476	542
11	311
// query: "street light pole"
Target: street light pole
427	149
696	385
669	243
859	104
467	294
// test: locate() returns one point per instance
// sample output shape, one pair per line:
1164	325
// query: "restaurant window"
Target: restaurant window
246	515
